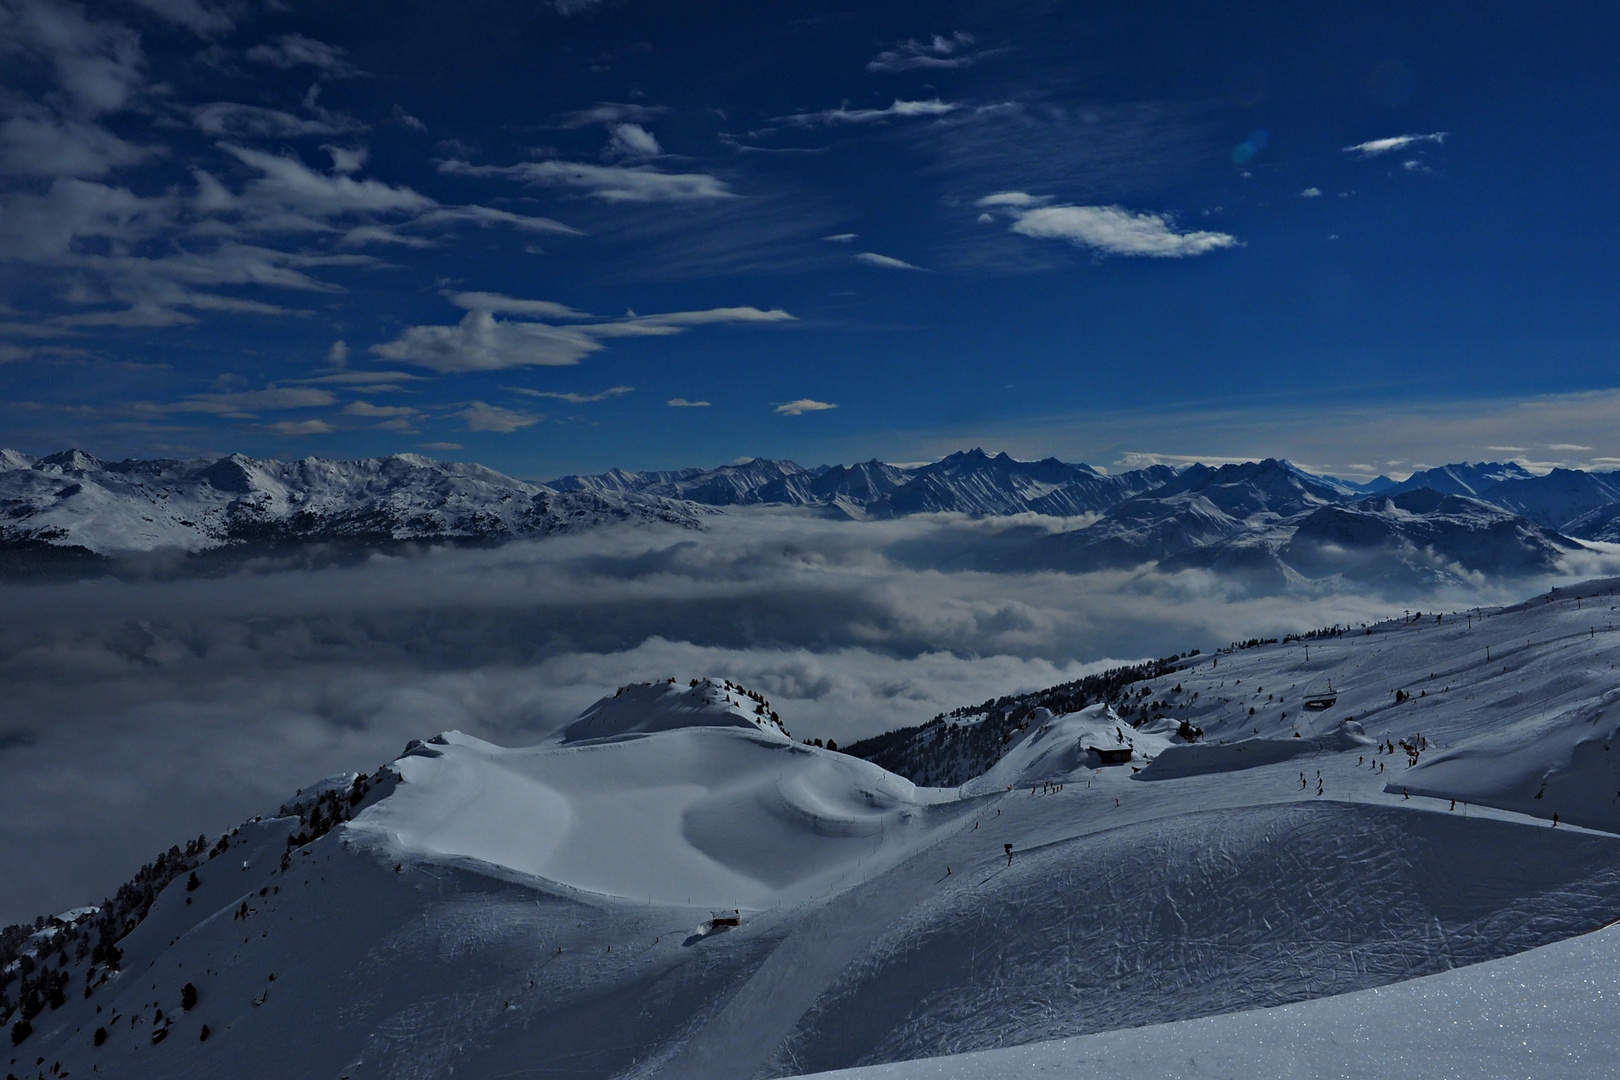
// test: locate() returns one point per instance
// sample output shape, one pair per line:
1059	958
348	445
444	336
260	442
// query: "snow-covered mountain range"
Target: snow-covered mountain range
674	887
1268	522
72	501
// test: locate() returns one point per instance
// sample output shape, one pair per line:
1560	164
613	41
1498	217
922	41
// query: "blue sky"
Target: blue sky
566	236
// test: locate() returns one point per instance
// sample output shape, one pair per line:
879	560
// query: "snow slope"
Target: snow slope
673	888
1547	1013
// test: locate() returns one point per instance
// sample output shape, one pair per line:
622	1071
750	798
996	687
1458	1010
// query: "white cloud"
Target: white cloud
442	446
574	399
508	305
675	320
1115	230
1311	193
633	141
98	68
481	342
34	142
573	7
1375	147
1017	200
898	110
227	119
200	18
348	159
245	402
611	112
841	238
610	183
802	406
1575	447
133	260
374	379
483	417
296	50
381	412
1138	459
287	184
682	403
935	53
300	427
338	354
887	262
486	216
98	64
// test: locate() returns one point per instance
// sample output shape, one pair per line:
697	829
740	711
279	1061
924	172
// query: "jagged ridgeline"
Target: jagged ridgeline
957	746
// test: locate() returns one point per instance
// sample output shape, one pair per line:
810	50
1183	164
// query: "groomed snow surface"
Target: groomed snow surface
672	887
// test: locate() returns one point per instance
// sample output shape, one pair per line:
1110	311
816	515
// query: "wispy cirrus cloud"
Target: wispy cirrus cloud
574	399
1111	230
295	50
610	183
201	18
243	404
885	262
487	216
33	142
500	304
369	411
1394	143
682	403
227	119
613	112
898	110
939	52
296	428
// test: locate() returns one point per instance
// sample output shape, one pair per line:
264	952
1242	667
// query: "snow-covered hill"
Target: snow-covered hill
72	501
672	887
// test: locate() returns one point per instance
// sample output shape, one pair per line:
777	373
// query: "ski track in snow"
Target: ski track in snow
550	910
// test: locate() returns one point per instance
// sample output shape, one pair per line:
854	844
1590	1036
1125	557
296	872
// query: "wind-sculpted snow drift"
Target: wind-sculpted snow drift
674	887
